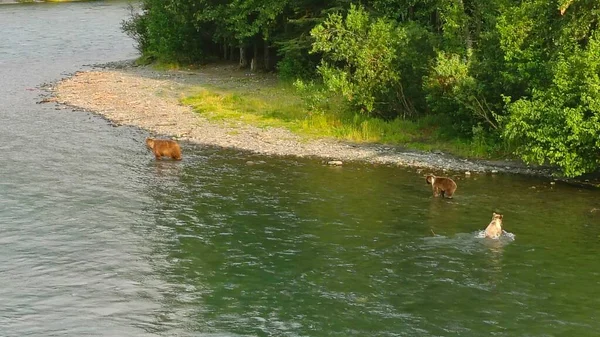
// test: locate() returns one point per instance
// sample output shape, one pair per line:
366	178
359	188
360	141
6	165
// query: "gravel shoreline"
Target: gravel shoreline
140	96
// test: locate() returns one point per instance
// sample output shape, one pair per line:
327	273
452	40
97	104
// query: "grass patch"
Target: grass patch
267	108
160	63
283	106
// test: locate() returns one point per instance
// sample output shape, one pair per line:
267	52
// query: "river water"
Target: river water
98	239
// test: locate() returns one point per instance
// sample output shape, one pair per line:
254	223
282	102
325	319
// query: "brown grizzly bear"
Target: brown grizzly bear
164	147
441	185
494	229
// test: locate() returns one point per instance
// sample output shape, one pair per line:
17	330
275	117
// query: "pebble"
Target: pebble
335	163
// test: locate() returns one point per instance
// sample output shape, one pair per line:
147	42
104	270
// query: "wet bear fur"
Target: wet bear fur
441	186
164	148
494	229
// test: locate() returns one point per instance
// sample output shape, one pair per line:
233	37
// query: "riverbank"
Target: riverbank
151	99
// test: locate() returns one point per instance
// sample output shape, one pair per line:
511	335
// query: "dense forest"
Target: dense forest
524	73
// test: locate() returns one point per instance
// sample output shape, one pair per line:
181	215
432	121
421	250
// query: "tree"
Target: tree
359	57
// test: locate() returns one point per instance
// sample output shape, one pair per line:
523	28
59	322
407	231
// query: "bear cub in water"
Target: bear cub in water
164	147
441	186
494	229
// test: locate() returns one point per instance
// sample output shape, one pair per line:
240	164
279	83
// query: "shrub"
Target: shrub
560	125
452	90
359	60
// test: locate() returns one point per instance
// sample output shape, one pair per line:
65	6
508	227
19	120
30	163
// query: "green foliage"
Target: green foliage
315	98
359	58
555	120
293	41
452	90
137	28
414	58
165	31
525	50
295	65
561	124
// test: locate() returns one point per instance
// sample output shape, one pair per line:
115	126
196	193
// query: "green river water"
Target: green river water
98	239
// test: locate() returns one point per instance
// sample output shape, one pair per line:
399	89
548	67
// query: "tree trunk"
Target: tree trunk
436	22
254	61
267	57
243	60
470	10
225	49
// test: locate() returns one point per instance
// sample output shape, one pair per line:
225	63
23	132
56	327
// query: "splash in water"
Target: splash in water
507	236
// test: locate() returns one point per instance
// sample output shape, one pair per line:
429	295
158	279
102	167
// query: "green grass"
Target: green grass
283	106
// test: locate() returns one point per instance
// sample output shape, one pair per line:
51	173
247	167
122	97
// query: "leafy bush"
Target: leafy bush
359	60
452	90
296	66
136	28
165	30
314	97
561	125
